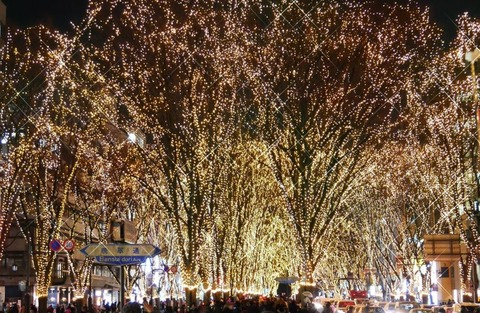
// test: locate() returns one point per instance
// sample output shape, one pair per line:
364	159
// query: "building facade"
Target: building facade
18	279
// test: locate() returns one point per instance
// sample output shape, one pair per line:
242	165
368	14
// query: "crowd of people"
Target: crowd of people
13	308
252	305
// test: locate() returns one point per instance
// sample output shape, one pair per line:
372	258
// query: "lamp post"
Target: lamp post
24	285
27	290
21	284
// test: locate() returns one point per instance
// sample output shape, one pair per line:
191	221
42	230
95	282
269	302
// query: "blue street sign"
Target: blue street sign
120	253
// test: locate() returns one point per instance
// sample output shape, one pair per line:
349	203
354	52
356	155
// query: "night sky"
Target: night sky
59	13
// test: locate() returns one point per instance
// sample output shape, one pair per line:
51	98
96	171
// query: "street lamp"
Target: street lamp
24	285
472	56
27	282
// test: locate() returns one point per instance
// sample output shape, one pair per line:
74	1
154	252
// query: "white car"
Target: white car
374	309
406	306
319	303
389	307
465	307
436	308
421	310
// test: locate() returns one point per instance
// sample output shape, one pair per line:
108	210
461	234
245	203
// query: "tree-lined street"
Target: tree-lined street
248	140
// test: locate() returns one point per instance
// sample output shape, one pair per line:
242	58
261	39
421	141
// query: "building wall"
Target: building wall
3	22
3	14
104	286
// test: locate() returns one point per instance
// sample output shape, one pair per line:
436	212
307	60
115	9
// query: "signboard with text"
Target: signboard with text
120	253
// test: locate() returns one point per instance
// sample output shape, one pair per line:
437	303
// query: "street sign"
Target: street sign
120	253
69	244
55	245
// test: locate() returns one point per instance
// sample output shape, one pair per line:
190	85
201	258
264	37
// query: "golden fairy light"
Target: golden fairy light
251	135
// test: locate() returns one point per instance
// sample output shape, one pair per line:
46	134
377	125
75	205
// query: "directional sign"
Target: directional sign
120	253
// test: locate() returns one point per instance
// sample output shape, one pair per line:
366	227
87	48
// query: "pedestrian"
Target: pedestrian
281	306
328	307
292	306
147	307
132	307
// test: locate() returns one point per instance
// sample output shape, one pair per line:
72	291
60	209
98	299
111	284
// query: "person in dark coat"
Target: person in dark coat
132	307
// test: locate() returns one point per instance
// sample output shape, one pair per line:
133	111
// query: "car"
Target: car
406	306
465	307
374	309
427	306
436	308
319	303
447	309
389	307
421	310
342	305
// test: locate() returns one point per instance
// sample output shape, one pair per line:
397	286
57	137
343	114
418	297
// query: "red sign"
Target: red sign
55	245
69	244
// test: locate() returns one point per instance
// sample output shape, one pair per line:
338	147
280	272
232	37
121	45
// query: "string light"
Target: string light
256	133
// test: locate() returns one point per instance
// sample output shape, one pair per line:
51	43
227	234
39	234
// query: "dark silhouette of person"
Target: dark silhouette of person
328	307
132	307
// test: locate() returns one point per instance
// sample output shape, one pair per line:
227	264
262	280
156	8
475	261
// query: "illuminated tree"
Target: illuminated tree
13	156
246	139
251	235
426	171
441	120
53	109
401	215
176	88
40	194
12	171
327	92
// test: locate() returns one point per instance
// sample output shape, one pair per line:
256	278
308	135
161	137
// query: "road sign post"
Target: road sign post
120	254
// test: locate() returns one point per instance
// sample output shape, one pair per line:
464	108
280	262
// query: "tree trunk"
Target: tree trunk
79	303
42	304
190	297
